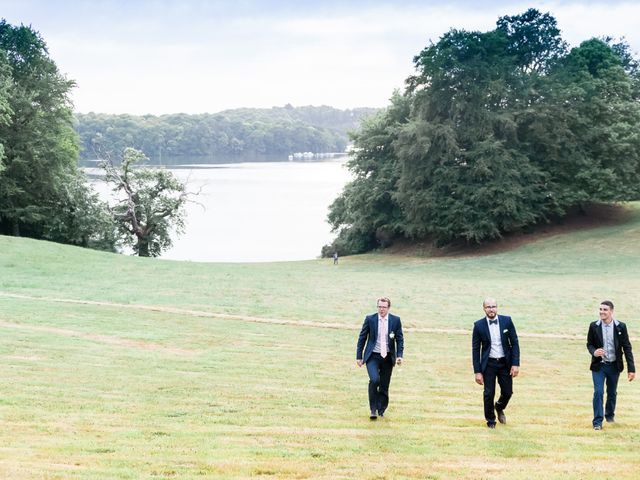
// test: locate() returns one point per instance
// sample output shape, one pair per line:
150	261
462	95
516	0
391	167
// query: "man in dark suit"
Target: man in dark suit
496	355
607	339
382	334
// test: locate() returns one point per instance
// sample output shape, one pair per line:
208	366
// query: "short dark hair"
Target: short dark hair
608	303
384	299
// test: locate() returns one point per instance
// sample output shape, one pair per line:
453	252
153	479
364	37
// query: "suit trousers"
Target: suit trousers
610	373
379	370
496	369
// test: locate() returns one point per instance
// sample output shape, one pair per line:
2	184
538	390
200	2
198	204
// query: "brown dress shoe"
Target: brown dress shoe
502	418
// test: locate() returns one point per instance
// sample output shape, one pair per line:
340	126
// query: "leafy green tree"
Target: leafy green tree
584	133
150	203
463	175
81	218
533	39
504	129
38	138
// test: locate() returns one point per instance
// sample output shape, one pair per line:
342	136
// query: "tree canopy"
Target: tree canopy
496	131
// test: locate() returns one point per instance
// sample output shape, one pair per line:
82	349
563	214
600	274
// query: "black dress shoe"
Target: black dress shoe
491	424
502	418
381	413
373	415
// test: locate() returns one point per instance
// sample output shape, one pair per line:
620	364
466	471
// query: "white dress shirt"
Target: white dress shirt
383	333
496	339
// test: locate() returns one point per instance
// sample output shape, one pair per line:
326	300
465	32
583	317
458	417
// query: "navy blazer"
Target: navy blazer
369	335
620	340
481	343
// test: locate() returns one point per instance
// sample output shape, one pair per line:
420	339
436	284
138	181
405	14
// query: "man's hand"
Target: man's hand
631	376
599	352
359	362
479	379
399	361
514	371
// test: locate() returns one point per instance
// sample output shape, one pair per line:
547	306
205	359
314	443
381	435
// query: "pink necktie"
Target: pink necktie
383	344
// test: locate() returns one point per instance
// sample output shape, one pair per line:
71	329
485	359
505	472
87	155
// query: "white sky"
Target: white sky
194	56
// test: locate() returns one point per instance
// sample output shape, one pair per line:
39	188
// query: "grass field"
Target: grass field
124	368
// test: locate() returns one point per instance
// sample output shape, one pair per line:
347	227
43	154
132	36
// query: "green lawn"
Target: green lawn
116	390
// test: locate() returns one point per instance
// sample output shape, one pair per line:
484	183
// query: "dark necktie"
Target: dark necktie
493	322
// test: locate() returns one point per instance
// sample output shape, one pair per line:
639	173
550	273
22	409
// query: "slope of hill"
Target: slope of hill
607	258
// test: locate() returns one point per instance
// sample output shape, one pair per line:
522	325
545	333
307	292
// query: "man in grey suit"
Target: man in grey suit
382	334
496	355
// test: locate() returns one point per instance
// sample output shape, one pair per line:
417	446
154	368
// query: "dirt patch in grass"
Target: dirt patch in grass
107	339
593	216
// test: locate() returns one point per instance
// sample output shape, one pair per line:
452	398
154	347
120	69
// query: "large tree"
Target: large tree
462	174
505	129
42	192
149	203
39	140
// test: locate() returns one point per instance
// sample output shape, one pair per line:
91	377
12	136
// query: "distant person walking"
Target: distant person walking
496	355
607	339
335	258
380	347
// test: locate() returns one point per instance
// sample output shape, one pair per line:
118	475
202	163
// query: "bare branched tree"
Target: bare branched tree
149	203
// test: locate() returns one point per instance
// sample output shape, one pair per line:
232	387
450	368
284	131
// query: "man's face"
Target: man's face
383	308
491	309
606	313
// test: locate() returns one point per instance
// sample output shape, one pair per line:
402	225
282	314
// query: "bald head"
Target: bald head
489	301
490	307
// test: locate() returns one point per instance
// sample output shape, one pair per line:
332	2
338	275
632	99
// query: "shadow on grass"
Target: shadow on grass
586	218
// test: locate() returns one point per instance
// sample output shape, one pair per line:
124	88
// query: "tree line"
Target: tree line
495	132
246	131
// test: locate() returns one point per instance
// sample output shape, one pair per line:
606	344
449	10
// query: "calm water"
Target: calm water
258	212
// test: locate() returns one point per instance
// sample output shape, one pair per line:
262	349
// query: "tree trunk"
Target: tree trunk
15	229
143	248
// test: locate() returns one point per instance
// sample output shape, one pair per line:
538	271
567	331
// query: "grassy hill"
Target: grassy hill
120	367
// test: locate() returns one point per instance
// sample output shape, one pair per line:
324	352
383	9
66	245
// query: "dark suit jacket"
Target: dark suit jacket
369	335
481	343
620	339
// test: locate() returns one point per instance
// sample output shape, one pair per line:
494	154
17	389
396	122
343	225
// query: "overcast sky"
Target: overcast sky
195	56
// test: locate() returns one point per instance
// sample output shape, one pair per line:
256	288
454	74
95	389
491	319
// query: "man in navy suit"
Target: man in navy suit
382	334
496	355
607	339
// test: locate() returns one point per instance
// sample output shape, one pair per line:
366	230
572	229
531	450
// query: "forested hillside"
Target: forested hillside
247	131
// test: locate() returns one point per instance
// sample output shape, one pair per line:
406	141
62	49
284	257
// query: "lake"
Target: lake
257	211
